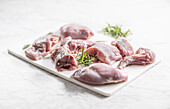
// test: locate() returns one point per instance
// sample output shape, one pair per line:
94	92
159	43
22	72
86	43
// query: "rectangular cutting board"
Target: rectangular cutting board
133	71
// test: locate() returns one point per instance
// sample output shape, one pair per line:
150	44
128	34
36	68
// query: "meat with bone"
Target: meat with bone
76	31
75	45
63	59
42	47
142	56
124	46
99	74
104	53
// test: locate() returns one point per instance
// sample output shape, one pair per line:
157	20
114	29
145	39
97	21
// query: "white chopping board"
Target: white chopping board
133	71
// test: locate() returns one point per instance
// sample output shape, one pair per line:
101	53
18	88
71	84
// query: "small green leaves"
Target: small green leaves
83	58
100	41
26	46
115	31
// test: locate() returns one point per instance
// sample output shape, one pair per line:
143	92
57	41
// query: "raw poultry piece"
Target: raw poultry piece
63	59
75	45
99	74
124	46
43	46
76	31
104	53
142	56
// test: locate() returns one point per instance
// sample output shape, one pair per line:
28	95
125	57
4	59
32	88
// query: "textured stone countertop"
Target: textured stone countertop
23	86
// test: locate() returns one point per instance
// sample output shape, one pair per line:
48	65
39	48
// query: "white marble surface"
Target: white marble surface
23	86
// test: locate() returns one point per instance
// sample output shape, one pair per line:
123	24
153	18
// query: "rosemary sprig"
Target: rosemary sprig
82	58
115	31
26	46
100	41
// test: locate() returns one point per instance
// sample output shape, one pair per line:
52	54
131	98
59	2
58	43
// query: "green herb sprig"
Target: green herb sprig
115	31
100	41
82	58
26	46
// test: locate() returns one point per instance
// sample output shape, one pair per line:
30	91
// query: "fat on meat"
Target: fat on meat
143	56
43	46
99	74
104	53
76	31
124	46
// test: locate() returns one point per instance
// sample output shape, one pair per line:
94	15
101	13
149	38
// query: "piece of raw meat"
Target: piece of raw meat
143	56
124	46
76	31
99	74
43	46
104	53
75	45
63	59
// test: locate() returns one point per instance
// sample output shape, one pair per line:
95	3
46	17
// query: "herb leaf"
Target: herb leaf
115	31
100	41
83	58
26	46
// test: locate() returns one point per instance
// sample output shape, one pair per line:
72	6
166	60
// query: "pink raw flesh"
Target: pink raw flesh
63	59
124	46
99	74
42	47
104	53
75	45
143	56
76	31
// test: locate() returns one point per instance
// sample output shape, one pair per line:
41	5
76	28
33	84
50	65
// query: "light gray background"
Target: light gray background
23	86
